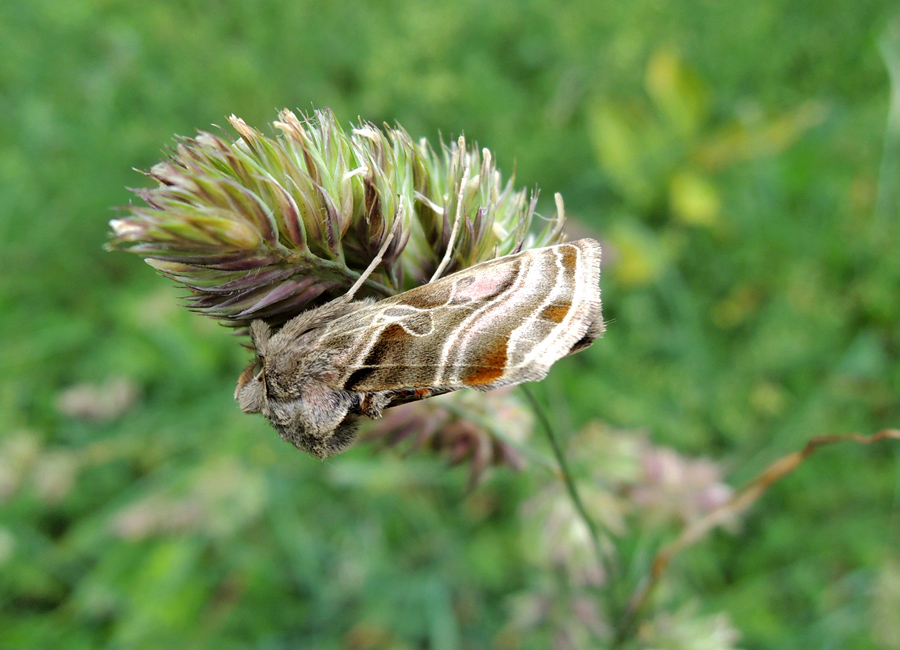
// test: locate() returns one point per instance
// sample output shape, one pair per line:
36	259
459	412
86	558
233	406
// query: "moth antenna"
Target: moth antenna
459	210
401	211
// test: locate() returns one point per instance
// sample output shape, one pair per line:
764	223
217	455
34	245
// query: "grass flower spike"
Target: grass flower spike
266	227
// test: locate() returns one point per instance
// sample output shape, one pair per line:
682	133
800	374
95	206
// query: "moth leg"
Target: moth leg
372	404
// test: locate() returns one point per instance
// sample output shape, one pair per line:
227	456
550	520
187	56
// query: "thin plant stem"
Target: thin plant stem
571	488
487	424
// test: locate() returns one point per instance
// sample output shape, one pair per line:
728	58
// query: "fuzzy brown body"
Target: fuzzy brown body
498	323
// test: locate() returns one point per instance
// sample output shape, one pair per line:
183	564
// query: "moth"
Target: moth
498	323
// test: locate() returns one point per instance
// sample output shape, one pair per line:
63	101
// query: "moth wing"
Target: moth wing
498	323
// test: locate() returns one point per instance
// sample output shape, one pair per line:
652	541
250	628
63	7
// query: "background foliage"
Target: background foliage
733	157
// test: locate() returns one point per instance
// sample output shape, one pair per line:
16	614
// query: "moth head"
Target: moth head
250	391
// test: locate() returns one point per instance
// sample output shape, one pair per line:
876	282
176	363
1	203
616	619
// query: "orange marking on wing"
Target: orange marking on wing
490	367
556	313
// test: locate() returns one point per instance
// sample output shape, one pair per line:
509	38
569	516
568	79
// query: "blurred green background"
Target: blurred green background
737	161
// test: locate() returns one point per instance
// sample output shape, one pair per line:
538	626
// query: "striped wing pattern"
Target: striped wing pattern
497	323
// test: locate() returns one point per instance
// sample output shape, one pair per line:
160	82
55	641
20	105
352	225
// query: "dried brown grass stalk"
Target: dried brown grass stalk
741	502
